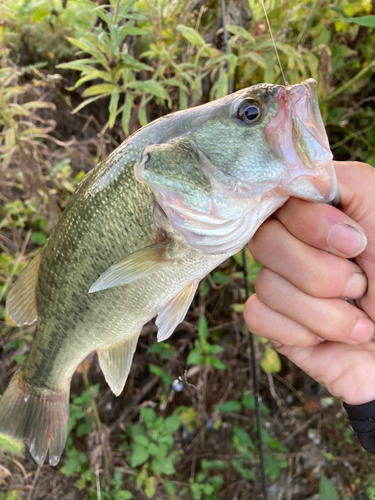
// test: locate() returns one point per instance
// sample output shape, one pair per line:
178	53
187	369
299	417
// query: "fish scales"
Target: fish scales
143	228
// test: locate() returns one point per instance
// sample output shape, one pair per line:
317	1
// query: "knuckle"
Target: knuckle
327	278
264	242
253	314
270	287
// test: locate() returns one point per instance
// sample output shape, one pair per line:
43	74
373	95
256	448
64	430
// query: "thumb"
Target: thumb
357	187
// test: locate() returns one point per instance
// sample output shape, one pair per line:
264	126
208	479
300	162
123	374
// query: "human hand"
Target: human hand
298	303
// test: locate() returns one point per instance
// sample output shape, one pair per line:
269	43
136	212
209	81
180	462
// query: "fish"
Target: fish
171	203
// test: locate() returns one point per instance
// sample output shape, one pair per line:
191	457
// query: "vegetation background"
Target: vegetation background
76	78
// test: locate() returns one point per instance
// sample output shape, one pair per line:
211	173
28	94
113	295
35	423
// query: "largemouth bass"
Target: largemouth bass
144	227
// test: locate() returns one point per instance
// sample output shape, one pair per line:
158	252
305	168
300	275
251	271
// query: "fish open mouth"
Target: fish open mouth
299	138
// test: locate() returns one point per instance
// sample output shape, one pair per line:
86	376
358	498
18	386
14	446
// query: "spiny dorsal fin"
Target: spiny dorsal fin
175	311
135	266
21	301
116	361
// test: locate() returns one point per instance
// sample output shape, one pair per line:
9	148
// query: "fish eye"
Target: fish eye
249	112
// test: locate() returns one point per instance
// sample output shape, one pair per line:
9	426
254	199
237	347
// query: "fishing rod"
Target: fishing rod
252	359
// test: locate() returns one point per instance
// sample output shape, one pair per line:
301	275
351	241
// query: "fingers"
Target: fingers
276	327
315	272
331	319
357	187
346	371
323	226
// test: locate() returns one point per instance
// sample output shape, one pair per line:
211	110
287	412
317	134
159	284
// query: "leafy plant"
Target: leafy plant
204	352
205	485
111	62
151	449
21	126
327	490
246	447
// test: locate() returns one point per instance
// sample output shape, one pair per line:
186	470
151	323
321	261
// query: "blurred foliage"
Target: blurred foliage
119	64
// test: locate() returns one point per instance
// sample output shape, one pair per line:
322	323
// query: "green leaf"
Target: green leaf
191	35
139	456
132	62
238	30
128	29
232	406
86	102
19	359
87	46
148	415
126	5
113	107
142	117
150	87
126	113
220	278
327	490
10	445
243	437
276	445
84	65
216	363
107	18
123	495
102	88
172	423
203	328
238	308
271	361
246	473
164	466
214	349
142	440
39	238
156	370
183	100
150	487
195	358
272	470
367	21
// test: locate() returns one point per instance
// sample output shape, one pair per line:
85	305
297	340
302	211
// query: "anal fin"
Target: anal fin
135	266
21	301
175	311
115	362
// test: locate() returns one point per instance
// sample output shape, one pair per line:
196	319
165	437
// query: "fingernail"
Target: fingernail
346	239
363	330
356	287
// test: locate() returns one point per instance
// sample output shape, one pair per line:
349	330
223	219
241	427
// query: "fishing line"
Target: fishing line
252	360
274	44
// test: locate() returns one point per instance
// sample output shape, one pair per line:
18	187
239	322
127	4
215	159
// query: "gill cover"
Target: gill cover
218	181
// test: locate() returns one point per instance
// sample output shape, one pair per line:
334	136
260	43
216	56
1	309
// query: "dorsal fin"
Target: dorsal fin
135	266
21	301
175	311
115	362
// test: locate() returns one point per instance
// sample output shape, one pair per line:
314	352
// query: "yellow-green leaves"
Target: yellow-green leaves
17	132
271	361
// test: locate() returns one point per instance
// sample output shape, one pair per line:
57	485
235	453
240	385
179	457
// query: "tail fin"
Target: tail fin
40	417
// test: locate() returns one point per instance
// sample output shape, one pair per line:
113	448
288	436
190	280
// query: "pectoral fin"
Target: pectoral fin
116	361
135	266
21	301
175	311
